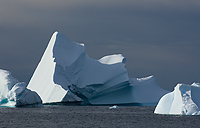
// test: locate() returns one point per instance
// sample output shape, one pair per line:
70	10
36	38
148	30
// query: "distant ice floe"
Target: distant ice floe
66	74
114	107
14	93
184	100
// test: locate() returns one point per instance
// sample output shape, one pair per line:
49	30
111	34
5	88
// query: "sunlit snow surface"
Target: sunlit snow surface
42	79
183	100
66	73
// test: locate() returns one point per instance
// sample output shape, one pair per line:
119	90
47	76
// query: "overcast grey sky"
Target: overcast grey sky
159	38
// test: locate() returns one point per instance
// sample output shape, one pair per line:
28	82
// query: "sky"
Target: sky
157	37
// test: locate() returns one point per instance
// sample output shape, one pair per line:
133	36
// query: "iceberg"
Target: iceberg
66	73
14	93
184	100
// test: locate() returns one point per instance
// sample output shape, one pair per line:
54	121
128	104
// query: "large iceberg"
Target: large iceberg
184	100
14	93
66	73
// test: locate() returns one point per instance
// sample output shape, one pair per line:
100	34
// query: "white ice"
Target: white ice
7	81
42	79
14	93
184	100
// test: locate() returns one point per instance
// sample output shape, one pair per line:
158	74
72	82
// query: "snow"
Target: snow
112	59
14	93
184	100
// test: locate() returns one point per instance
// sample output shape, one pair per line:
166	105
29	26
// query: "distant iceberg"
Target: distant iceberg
14	93
66	74
184	100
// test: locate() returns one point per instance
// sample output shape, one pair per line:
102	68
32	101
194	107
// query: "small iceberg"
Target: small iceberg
114	107
184	100
15	94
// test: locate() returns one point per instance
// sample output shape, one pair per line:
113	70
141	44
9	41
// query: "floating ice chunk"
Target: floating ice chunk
114	107
184	100
14	93
7	81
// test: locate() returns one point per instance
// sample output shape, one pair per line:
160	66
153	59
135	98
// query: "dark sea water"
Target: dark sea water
62	116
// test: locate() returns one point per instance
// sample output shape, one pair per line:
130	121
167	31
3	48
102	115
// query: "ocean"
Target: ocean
62	116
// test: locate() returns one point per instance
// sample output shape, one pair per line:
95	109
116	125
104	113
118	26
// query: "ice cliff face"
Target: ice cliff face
184	100
42	79
14	93
66	73
140	91
84	76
